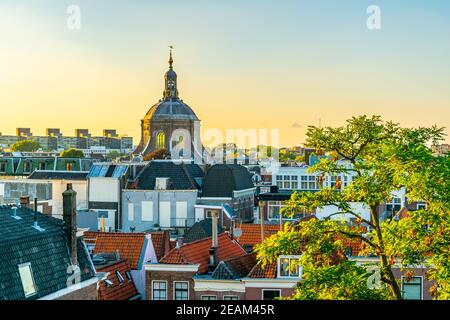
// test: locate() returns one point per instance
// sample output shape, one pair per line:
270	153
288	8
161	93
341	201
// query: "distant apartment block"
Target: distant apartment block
54	140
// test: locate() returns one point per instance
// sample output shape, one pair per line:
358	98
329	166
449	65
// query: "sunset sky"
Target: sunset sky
240	64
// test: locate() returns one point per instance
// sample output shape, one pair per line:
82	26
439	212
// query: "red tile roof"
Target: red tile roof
129	245
269	271
161	243
118	291
251	233
197	252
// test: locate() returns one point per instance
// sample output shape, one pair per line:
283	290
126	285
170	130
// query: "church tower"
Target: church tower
171	124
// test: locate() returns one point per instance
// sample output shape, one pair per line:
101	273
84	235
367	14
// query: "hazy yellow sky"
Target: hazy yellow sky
254	65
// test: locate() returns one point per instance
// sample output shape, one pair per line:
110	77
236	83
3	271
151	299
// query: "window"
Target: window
395	204
27	167
421	206
274	211
3	167
288	266
412	289
42	166
287	182
131	212
26	276
349	251
209	297
181	213
181	290
230	298
271	294
147	211
159	290
120	277
69	166
160	140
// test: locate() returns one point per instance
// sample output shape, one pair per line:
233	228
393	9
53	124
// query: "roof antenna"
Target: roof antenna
35	225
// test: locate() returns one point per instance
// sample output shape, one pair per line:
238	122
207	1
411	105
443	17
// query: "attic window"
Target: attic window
288	267
109	283
26	276
120	277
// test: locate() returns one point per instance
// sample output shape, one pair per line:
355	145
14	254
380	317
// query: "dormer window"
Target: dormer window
289	267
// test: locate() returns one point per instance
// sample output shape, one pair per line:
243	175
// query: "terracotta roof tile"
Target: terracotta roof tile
129	245
197	252
269	271
161	243
251	233
118	291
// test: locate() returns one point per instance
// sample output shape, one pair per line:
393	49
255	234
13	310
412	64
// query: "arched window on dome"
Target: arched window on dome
160	140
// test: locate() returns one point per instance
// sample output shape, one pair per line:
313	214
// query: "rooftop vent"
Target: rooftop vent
14	214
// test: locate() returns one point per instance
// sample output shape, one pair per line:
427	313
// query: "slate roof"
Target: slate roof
129	245
235	268
118	291
46	251
222	179
197	252
58	175
200	230
251	233
182	175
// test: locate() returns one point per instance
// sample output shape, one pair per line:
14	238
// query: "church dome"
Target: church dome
173	109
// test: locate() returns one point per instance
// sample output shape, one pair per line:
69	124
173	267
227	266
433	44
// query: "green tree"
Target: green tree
72	153
25	146
383	157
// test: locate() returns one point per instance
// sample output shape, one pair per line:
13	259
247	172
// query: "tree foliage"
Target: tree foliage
382	157
25	146
72	153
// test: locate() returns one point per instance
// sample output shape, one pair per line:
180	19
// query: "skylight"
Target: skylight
26	276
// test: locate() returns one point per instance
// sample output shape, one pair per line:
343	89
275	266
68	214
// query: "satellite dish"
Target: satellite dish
237	232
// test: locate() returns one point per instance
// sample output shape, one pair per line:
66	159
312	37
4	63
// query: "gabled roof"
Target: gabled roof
197	252
251	233
222	179
235	268
268	272
182	175
118	291
161	243
200	230
46	251
129	245
58	175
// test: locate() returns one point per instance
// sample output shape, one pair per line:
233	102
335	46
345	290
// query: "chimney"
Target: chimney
70	221
215	242
25	201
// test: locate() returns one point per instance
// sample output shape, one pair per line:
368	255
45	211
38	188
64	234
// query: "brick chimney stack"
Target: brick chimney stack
70	220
